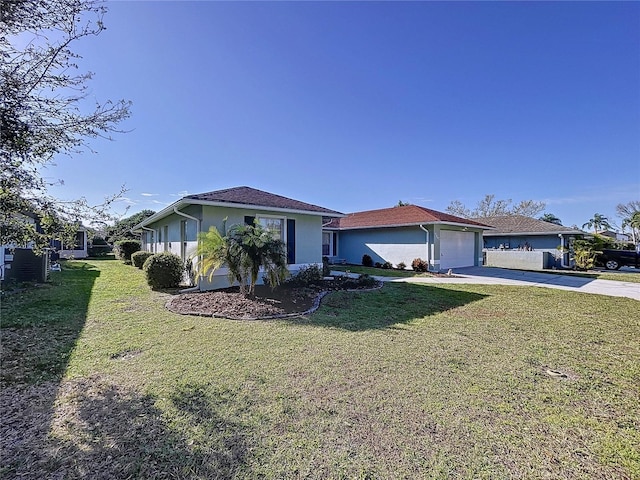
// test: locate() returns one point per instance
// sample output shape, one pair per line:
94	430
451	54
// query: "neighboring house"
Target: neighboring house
524	242
175	228
19	263
79	249
620	237
402	234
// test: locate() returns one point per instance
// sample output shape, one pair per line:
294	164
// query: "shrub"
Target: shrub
309	275
126	248
326	271
419	265
363	281
98	247
401	266
163	270
377	265
585	253
387	265
367	261
138	258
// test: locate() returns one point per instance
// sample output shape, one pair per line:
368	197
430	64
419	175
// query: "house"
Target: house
617	236
79	248
175	228
403	233
517	241
19	263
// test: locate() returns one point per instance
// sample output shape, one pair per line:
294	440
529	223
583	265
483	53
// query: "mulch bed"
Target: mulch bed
283	301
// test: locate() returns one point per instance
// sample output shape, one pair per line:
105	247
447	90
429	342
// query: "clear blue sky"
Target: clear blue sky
357	105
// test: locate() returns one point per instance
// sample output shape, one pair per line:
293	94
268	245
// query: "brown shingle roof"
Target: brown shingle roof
255	197
521	224
399	216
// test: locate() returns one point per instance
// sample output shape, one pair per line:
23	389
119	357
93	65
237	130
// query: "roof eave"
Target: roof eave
558	232
192	201
158	215
415	224
329	213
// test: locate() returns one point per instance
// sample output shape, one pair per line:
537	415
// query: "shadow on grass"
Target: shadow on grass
104	431
40	326
91	428
393	304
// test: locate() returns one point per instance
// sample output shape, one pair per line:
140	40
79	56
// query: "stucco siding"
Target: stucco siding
308	233
536	242
393	245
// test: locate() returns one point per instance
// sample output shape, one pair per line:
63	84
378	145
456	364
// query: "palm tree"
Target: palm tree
598	223
210	254
551	218
249	248
633	221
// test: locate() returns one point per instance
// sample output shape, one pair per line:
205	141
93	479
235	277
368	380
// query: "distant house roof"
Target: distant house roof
242	197
521	225
406	215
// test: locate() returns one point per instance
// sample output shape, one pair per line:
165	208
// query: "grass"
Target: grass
411	381
621	276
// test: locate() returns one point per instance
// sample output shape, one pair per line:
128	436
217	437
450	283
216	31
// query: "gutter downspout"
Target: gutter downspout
198	222
428	246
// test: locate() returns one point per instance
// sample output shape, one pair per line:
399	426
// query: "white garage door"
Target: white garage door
457	249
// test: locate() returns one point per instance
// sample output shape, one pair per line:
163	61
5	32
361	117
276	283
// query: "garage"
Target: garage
401	234
457	249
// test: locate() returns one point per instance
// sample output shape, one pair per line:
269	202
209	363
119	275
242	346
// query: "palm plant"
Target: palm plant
249	248
598	223
633	221
551	218
211	253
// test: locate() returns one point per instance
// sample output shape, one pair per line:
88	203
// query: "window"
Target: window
326	244
273	225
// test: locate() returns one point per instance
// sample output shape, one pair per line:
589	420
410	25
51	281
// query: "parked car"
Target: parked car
614	259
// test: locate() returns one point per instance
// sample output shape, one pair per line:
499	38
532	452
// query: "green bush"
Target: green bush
163	270
126	248
363	281
367	261
309	275
99	247
419	265
401	266
326	270
138	258
387	265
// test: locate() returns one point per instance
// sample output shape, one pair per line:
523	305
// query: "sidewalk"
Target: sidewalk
503	276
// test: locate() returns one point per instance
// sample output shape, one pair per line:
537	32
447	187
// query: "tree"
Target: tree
211	253
633	222
402	204
630	214
598	223
44	113
551	218
249	248
490	207
121	229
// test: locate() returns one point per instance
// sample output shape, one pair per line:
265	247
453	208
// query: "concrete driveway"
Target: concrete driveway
503	276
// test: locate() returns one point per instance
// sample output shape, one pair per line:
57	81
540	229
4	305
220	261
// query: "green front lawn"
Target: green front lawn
410	381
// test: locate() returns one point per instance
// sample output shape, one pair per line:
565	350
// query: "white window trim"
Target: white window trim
278	217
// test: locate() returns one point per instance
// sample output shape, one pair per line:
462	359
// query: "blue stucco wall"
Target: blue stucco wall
393	245
536	242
